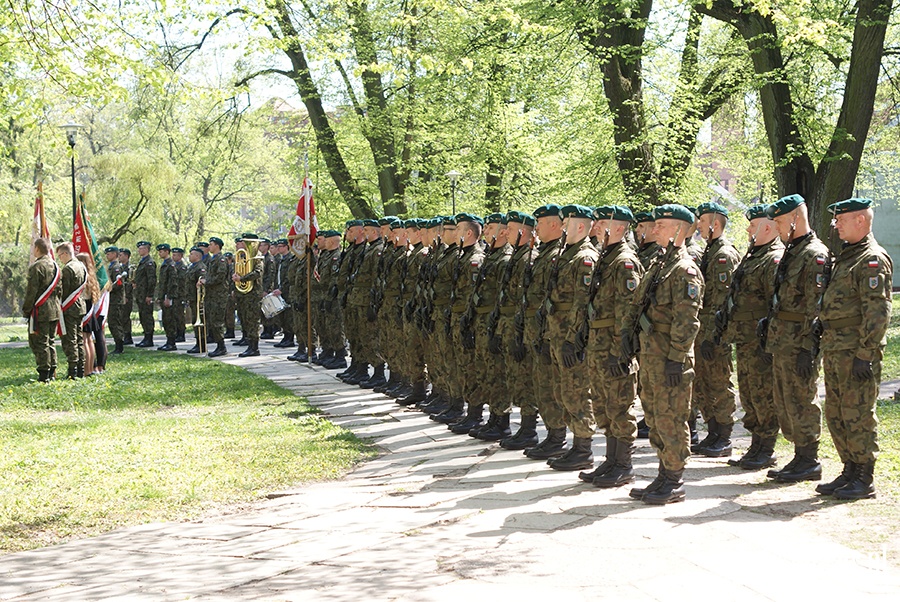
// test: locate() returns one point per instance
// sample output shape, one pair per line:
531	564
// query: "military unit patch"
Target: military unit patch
692	290
873	282
631	284
587	280
723	277
820	279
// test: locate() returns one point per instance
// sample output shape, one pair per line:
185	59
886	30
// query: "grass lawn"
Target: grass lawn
158	437
13	329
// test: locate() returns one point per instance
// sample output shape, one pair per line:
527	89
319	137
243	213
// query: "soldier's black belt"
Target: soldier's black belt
791	316
604	323
746	316
842	323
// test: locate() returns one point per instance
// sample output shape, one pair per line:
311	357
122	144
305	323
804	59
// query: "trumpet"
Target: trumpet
243	263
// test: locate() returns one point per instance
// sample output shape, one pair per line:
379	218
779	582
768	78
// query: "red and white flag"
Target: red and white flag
303	229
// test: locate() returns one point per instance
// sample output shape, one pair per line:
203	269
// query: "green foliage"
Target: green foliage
13	272
155	438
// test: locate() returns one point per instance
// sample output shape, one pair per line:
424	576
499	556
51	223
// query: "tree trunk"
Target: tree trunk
493	186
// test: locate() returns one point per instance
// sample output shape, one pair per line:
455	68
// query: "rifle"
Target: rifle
762	327
404	271
818	328
377	290
353	270
457	269
427	310
581	337
631	342
519	320
546	307
704	259
494	316
468	318
725	313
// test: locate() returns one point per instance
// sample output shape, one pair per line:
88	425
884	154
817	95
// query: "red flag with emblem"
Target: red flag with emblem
303	229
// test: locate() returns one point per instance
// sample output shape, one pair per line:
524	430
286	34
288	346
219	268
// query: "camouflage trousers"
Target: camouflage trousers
796	400
413	352
463	372
440	354
612	399
329	326
351	329
572	391
490	371
666	410
249	312
519	379
755	385
285	320
71	339
386	348
713	391
145	315
850	407
301	327
229	321
116	319
215	316
366	335
542	380
170	320
41	344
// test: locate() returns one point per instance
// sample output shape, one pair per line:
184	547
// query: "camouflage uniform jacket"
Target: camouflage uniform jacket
392	274
798	295
74	274
282	268
350	260
443	275
329	272
116	283
694	250
519	279
297	277
469	267
492	269
268	272
540	274
755	278
647	253
181	269
145	278
40	277
194	272
856	306
254	276
127	275
671	323
720	261
366	273
168	286
620	273
415	264
218	277
569	298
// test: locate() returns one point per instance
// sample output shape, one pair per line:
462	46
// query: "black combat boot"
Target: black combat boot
128	340
376	379
692	427
180	338
392	381
147	341
580	456
53	373
497	431
643	429
669	491
432	397
195	348
252	349
354	365
764	458
861	486
525	437
710	439
361	375
268	332
219	350
440	403
722	445
119	348
72	374
401	389
286	341
472	420
338	361
243	342
43	376
807	467
229	334
169	346
553	445
453	412
609	462
622	471
842	479
79	370
638	492
751	452
416	394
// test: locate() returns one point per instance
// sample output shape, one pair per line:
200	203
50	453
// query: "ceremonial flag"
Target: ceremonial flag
39	228
84	241
303	230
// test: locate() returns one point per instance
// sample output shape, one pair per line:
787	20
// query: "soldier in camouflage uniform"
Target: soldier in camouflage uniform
790	337
248	304
230	304
329	326
566	312
181	270
518	359
350	263
386	296
665	308
270	325
116	298
144	288
647	250
752	285
41	307
281	287
855	315
425	314
549	229
300	302
195	272
72	281
360	305
438	359
128	305
218	288
168	295
713	392
413	350
613	378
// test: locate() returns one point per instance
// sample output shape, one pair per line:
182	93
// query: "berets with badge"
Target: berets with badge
674	211
548	210
281	241
216	240
494	218
112	249
353	222
143	243
704	208
388	220
468	217
448	220
520	217
228	255
614	212
784	205
642	217
576	211
411	223
178	250
397	224
126	251
326	234
201	245
163	247
756	211
849	205
249	235
370	223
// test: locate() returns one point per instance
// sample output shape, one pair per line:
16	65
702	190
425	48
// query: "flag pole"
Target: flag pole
310	345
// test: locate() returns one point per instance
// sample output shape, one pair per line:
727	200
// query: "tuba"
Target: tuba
243	263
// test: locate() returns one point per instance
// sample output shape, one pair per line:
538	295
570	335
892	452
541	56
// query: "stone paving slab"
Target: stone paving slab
442	517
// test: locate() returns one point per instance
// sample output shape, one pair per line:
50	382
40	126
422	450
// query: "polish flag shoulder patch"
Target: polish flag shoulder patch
474	264
629	265
723	260
820	260
873	263
691	272
588	262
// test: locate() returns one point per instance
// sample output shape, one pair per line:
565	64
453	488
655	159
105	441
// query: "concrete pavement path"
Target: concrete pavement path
443	517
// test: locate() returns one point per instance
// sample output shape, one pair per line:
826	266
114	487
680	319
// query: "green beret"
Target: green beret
353	222
216	240
126	251
468	217
784	205
412	223
198	249
448	220
577	211
642	217
520	217
327	234
163	247
674	211
546	211
238	239
370	223
111	250
266	240
143	243
229	255
616	212
281	241
178	250
397	224
388	220
848	205
756	211
249	235
705	208
494	218
202	244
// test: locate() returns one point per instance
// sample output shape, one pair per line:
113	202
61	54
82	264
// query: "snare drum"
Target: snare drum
272	305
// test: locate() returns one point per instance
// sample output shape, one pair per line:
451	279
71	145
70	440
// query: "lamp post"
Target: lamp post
454	177
71	129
